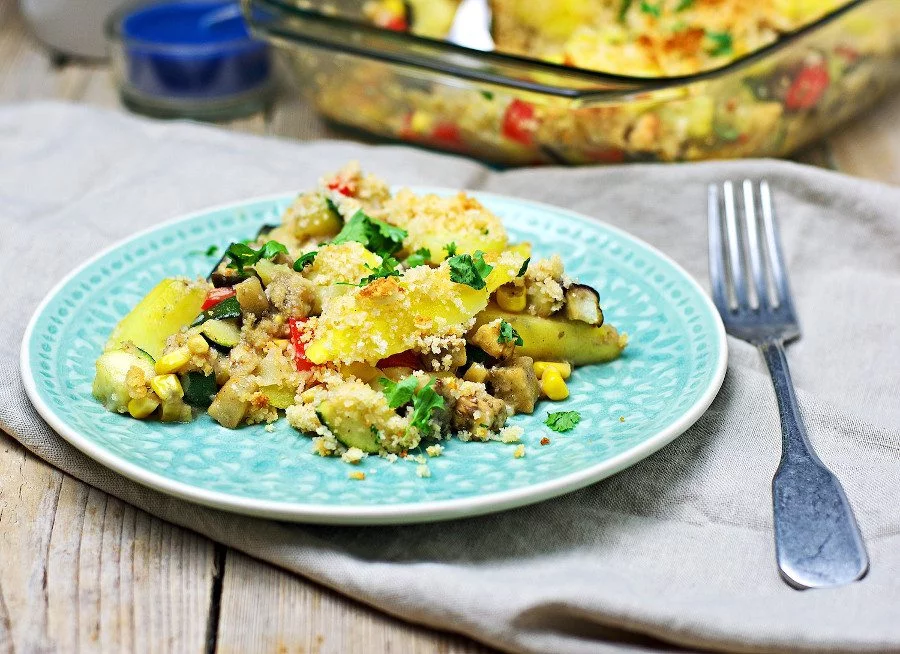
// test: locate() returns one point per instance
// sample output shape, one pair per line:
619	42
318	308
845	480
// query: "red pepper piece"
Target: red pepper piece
407	359
519	122
396	23
215	296
447	134
807	88
343	186
300	359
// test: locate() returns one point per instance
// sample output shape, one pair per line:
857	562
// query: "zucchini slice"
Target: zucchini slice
199	389
348	431
224	333
225	309
110	386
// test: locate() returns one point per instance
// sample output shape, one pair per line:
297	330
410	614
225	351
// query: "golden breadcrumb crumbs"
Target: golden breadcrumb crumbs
434	450
511	434
422	470
357	474
353	455
621	418
519	452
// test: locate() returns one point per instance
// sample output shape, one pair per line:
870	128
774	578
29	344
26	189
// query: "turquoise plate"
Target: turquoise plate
671	370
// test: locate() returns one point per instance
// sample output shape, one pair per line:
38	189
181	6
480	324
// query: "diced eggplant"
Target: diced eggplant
251	297
224	333
229	407
488	338
583	304
516	384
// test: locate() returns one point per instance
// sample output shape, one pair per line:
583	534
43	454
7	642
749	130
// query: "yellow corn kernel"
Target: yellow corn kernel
167	387
553	386
420	122
476	373
142	407
511	298
308	395
173	360
197	345
564	368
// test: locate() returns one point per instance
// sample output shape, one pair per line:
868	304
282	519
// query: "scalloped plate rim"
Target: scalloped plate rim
419	512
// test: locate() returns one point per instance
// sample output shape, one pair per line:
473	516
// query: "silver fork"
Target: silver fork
817	540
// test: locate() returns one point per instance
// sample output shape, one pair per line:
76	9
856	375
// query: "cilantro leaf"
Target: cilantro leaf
623	9
722	44
304	260
653	10
388	268
400	393
208	252
470	270
684	4
524	267
243	255
418	258
562	420
509	335
451	249
424	404
379	237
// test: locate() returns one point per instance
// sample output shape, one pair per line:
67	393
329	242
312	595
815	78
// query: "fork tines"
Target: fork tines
745	260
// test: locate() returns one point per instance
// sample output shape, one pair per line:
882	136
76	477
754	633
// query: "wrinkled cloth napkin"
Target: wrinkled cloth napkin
675	551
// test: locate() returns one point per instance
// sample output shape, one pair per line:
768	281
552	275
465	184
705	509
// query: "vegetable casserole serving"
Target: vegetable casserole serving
377	321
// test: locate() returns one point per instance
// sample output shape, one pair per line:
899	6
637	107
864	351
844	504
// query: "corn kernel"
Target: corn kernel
142	407
167	387
476	373
173	361
308	395
553	386
420	122
197	344
511	298
564	368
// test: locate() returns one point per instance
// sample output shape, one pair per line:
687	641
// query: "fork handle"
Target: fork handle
817	540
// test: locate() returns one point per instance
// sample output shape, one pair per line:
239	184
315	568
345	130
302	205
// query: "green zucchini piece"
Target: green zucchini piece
225	309
199	389
110	387
224	333
346	430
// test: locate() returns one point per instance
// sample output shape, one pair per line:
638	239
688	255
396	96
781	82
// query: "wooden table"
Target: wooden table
82	571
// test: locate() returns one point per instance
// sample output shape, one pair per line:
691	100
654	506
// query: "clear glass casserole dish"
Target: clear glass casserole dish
514	110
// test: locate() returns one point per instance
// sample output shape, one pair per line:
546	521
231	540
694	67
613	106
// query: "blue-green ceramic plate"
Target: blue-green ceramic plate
668	376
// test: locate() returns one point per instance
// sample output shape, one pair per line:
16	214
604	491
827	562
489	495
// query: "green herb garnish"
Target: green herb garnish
722	44
652	10
388	268
562	420
684	4
424	404
487	95
451	249
470	270
509	335
304	260
418	258
524	267
623	9
243	255
376	236
208	252
399	393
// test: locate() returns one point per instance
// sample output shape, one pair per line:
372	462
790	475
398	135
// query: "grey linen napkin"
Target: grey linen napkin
676	550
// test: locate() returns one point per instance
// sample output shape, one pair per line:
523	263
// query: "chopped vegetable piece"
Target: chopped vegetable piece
470	270
519	122
243	255
508	334
562	420
399	393
807	88
199	389
225	309
346	426
217	295
304	260
407	359
300	359
224	333
110	384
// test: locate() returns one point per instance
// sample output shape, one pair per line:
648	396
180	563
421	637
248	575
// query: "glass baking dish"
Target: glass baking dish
513	110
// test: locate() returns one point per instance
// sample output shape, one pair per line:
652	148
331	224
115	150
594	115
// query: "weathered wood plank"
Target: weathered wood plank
83	571
264	609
